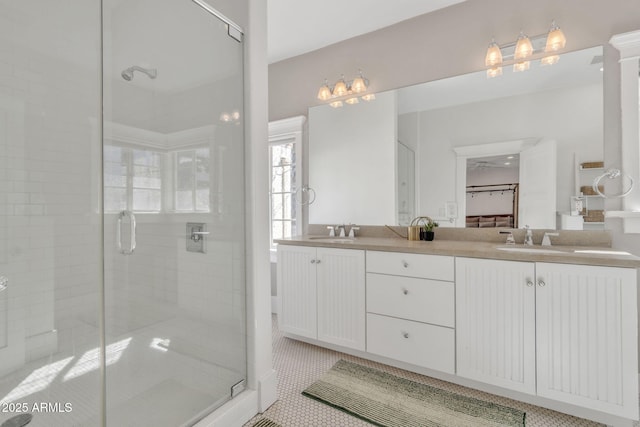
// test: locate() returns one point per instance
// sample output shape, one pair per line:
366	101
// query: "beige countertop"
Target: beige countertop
491	250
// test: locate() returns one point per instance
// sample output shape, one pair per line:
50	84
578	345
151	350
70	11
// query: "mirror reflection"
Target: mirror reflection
492	190
407	152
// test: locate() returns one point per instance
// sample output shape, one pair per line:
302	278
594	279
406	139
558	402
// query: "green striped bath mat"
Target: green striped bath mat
390	401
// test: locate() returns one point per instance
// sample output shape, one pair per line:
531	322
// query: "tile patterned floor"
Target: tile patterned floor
299	364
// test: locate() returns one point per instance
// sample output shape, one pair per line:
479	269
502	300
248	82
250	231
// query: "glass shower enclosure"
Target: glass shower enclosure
122	261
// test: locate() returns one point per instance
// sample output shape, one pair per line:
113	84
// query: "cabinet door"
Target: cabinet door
495	322
297	290
587	336
341	297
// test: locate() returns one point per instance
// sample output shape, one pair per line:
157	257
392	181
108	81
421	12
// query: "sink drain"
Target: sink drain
18	421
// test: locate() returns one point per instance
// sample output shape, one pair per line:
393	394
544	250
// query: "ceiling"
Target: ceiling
296	27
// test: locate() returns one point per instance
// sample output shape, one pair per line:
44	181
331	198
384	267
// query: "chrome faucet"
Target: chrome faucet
546	241
341	228
510	239
528	238
352	231
332	230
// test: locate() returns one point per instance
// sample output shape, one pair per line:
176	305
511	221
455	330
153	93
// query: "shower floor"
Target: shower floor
153	373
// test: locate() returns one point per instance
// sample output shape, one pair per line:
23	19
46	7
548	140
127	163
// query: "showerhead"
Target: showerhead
128	73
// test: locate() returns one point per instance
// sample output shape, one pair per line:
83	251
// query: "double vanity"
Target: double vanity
552	326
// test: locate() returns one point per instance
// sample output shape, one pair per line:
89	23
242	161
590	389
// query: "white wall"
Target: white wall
352	152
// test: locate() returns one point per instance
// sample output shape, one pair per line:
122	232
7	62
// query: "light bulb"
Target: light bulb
369	97
550	60
352	101
494	55
524	48
358	85
521	66
336	104
555	39
324	93
494	72
340	88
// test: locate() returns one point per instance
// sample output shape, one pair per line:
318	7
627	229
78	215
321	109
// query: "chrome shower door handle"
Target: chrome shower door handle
132	222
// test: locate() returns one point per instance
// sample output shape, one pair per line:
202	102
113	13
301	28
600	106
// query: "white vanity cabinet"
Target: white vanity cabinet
495	320
586	331
560	331
410	308
322	294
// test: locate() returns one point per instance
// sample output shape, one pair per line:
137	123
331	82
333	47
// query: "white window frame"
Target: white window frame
174	154
282	131
129	186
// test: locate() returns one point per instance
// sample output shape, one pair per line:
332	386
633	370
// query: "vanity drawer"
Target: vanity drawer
436	267
417	343
422	300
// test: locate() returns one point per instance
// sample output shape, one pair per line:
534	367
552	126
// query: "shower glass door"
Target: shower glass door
50	213
174	212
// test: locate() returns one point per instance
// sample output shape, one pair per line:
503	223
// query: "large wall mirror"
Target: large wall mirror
429	149
629	46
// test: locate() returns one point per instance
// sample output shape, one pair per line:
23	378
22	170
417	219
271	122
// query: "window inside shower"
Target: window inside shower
132	179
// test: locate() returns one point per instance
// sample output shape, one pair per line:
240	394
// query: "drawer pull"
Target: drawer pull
313	261
529	283
405	264
405	334
405	291
541	283
317	261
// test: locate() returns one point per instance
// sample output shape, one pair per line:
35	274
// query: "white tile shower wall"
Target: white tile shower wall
49	231
161	281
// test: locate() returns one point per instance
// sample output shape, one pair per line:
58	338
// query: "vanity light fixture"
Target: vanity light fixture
555	41
522	51
342	88
324	94
493	60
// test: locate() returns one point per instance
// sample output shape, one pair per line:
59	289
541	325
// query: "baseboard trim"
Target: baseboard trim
268	387
234	413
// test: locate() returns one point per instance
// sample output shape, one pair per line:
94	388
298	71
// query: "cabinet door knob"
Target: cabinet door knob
317	261
541	283
405	291
313	261
405	334
405	264
529	283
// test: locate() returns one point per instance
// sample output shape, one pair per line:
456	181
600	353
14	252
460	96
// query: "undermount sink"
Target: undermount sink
528	250
332	239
